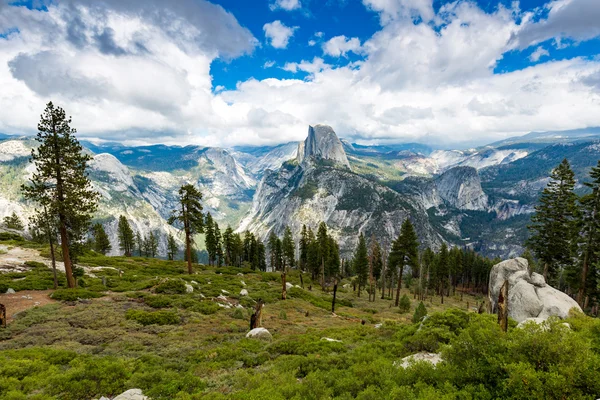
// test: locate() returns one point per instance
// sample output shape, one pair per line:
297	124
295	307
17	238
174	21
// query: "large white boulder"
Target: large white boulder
189	288
529	296
259	333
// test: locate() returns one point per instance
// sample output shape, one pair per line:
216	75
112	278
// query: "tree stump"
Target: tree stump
283	286
335	285
2	315
503	307
255	319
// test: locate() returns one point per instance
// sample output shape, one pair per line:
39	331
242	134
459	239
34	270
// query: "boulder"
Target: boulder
10	291
431	358
243	292
288	286
189	288
529	296
260	333
131	394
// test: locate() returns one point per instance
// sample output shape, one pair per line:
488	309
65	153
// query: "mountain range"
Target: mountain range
481	198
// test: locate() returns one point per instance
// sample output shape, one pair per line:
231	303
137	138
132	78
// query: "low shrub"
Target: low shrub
74	294
171	287
153	317
404	304
158	301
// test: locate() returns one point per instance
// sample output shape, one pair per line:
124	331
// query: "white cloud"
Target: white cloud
340	45
132	75
268	64
538	53
393	9
277	34
287	5
311	43
319	34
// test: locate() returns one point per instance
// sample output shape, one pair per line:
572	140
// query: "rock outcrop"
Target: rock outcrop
260	333
529	296
323	144
431	358
461	188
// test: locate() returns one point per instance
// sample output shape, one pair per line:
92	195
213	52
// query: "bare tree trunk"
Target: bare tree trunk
335	285
256	318
546	272
2	316
399	286
503	307
283	285
53	256
64	242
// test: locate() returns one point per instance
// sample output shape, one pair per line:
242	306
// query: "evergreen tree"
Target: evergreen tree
172	248
126	236
361	263
238	250
553	227
312	254
272	243
304	242
139	243
405	252
152	245
442	269
218	244
377	257
228	246
13	222
261	261
60	184
101	240
332	262
210	240
288	248
189	216
420	312
323	249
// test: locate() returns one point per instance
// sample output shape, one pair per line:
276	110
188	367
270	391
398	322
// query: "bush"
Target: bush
205	307
237	314
171	287
404	304
74	294
10	236
153	318
159	301
420	312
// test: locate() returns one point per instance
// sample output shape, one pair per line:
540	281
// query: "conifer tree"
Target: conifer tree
312	254
210	239
304	242
288	248
261	258
332	262
272	243
13	222
361	263
101	240
405	252
60	184
218	244
323	249
139	243
152	245
442	269
126	236
172	248
189	216
228	246
238	250
554	225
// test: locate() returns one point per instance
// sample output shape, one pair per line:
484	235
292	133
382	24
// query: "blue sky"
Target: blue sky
232	72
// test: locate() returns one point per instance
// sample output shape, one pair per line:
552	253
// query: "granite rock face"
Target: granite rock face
322	143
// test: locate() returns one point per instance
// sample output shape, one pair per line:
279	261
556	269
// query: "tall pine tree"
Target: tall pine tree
126	236
361	263
405	252
60	183
189	216
101	240
172	247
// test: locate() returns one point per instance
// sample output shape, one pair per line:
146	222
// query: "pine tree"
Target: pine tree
210	239
261	255
101	240
288	248
13	222
152	245
228	245
420	312
238	250
172	248
405	252
126	236
442	269
272	243
139	243
60	184
189	216
361	263
553	226
312	254
218	244
332	262
304	242
323	243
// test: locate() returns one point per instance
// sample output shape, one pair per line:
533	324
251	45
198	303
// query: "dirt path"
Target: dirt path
13	258
24	300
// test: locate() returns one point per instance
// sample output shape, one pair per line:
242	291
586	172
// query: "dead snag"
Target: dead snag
335	283
3	315
283	286
503	307
255	319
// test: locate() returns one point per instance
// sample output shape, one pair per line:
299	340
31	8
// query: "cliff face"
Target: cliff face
461	188
323	144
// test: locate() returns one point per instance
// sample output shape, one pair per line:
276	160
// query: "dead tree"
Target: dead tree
503	307
283	285
256	318
3	315
335	284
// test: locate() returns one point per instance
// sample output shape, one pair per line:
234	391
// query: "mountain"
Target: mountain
322	144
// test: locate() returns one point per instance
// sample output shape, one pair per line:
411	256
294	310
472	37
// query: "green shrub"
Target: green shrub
171	287
153	317
205	307
238	314
283	315
420	312
404	304
5	236
74	294
158	301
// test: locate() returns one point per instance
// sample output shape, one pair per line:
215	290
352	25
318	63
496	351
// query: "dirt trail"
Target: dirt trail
13	258
24	300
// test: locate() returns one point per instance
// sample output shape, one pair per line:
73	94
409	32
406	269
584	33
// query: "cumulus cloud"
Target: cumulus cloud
287	5
341	45
312	67
390	10
277	34
538	53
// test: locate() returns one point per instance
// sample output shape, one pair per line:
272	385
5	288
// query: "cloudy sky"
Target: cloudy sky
232	72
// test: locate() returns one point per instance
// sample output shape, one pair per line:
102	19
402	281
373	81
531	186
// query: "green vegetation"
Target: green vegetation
73	294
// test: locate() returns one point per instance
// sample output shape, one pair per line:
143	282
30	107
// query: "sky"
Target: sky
258	72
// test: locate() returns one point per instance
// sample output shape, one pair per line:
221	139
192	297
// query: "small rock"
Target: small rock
431	358
224	291
243	283
346	286
239	306
240	274
131	394
189	288
10	291
221	297
243	292
201	295
377	326
194	282
331	340
288	286
260	333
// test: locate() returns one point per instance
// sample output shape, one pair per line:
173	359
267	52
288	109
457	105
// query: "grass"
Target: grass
145	332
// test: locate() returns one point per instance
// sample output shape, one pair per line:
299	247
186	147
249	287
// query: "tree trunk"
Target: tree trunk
53	256
283	285
64	242
383	281
256	318
503	307
188	250
2	316
335	285
546	272
399	287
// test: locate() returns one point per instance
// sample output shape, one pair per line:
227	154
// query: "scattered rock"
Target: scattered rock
288	286
224	291
240	274
194	282
330	339
10	291
260	333
222	298
243	283
239	306
377	326
201	295
131	394
189	288
528	294
431	358
243	292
